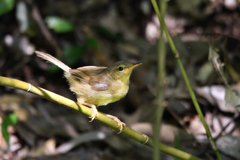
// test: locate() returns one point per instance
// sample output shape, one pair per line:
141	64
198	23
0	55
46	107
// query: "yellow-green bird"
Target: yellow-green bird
97	85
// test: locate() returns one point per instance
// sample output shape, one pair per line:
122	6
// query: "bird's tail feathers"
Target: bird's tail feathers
53	60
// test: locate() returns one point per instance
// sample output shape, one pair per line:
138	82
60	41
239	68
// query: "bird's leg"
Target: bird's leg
120	123
95	111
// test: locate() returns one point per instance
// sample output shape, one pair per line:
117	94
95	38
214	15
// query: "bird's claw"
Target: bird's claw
120	123
95	113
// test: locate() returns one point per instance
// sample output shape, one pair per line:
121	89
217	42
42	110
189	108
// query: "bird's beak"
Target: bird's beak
134	65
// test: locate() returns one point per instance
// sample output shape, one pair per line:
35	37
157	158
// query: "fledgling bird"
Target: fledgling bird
96	85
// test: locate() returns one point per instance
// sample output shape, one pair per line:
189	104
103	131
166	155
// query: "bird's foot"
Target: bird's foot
120	123
95	111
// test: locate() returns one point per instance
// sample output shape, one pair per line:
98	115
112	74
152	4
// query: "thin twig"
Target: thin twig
189	87
38	18
161	87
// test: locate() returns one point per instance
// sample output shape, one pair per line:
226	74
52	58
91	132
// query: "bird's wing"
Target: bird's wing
85	73
80	75
92	70
93	75
99	82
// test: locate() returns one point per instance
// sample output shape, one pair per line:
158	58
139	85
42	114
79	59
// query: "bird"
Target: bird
97	85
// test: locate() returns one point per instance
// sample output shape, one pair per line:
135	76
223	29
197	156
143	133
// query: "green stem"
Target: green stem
17	84
194	99
161	89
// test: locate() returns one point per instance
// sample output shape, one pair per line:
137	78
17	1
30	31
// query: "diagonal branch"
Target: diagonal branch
17	84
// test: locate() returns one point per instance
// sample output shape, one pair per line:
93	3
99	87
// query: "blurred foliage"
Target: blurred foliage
73	54
231	97
176	145
92	43
6	6
11	119
59	25
108	34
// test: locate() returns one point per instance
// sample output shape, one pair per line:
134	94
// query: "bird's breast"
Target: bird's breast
116	91
119	90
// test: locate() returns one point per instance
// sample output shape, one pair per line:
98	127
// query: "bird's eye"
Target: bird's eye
120	68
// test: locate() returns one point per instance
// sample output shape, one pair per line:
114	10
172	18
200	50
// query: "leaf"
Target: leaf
73	54
214	56
105	32
92	43
59	25
8	121
231	97
205	72
176	142
177	145
6	6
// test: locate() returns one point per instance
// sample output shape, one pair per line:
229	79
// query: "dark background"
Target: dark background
101	33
